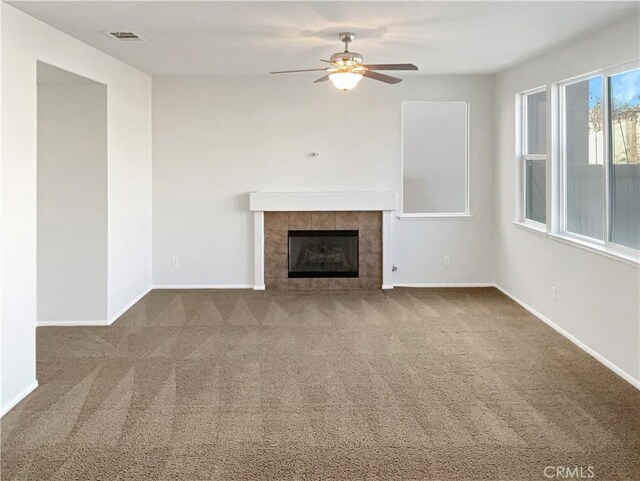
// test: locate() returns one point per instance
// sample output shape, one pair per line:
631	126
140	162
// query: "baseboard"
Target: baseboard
102	322
623	374
203	286
97	322
449	284
23	394
262	288
130	305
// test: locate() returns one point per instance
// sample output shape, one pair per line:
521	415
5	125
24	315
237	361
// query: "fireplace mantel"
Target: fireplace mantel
261	202
322	201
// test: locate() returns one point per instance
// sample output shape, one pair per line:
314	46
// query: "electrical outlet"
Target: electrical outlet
553	293
446	261
175	262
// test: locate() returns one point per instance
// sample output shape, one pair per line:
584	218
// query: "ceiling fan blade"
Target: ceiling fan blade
392	66
382	78
323	60
305	70
322	79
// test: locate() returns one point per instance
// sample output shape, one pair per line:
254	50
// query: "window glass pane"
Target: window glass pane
624	128
434	138
536	123
535	197
584	158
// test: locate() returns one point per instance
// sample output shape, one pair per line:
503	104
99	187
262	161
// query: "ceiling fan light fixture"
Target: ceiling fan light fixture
345	80
347	69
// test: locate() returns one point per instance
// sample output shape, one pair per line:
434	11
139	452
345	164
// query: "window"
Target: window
624	167
534	158
434	159
600	166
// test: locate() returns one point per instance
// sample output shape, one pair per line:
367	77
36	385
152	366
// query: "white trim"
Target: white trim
258	249
130	305
619	253
623	374
387	248
322	201
203	286
102	322
554	130
259	288
601	249
448	284
21	395
97	322
387	286
530	226
455	216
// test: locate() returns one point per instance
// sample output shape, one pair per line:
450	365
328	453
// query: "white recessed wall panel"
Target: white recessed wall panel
434	157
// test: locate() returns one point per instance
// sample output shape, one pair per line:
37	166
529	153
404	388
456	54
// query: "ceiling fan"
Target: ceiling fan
347	68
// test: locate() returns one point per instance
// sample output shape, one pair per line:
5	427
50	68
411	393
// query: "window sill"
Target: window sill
463	216
604	251
531	227
587	246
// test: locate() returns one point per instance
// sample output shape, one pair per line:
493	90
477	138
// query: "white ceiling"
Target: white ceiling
232	38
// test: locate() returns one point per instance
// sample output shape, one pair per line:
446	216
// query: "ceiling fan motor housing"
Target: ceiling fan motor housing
346	59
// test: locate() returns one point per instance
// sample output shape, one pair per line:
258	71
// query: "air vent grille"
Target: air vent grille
126	36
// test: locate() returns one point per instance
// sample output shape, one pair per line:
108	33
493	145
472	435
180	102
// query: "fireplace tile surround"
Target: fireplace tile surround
277	212
277	225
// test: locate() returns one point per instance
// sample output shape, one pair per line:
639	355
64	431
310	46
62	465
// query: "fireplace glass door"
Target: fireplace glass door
323	253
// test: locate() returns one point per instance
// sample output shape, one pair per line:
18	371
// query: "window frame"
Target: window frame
524	157
467	171
560	211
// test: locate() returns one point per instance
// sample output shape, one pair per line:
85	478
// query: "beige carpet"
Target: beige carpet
241	385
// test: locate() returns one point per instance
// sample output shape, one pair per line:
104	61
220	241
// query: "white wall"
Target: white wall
597	297
72	202
215	139
24	42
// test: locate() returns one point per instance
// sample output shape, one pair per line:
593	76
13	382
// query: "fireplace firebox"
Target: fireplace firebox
323	253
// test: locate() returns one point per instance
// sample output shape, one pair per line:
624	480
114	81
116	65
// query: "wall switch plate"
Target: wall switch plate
446	261
175	262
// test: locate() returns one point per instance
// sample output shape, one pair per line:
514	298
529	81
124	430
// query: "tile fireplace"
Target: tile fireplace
322	240
322	250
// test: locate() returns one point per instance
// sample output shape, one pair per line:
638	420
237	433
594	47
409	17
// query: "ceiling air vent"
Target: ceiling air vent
126	36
